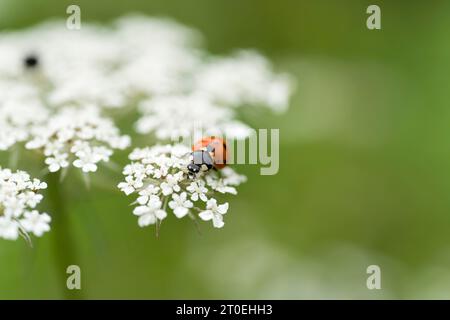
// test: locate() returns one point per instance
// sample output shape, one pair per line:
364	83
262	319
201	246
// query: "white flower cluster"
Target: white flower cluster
18	199
19	111
53	85
154	63
165	114
157	176
57	87
78	136
245	78
211	92
100	65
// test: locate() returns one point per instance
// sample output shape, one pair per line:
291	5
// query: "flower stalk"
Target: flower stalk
63	244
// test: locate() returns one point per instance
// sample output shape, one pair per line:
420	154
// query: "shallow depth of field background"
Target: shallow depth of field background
364	166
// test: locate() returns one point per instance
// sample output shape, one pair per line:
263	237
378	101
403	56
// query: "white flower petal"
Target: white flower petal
146	219
138	211
160	214
218	221
223	208
180	212
206	215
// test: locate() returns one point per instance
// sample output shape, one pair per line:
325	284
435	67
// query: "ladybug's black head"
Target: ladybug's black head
201	161
193	168
30	61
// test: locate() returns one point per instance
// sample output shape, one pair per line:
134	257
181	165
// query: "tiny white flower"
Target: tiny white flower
56	162
65	134
102	153
197	190
79	145
136	169
220	186
129	186
150	213
231	178
14	207
171	184
31	199
160	172
36	223
52	148
149	169
146	194
214	212
180	205
9	229
86	163
37	185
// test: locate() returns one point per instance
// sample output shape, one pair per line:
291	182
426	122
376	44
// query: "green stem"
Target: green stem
65	253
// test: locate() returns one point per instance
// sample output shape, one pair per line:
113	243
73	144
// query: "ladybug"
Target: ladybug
208	153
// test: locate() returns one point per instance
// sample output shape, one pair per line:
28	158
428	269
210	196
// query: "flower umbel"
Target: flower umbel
79	136
163	115
61	89
18	199
157	176
214	212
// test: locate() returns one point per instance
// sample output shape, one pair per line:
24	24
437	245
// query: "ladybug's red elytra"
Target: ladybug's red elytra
208	153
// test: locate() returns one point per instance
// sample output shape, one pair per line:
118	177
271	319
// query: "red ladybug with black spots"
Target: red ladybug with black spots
208	153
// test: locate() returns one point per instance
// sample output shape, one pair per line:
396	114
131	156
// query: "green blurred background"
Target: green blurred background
364	166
